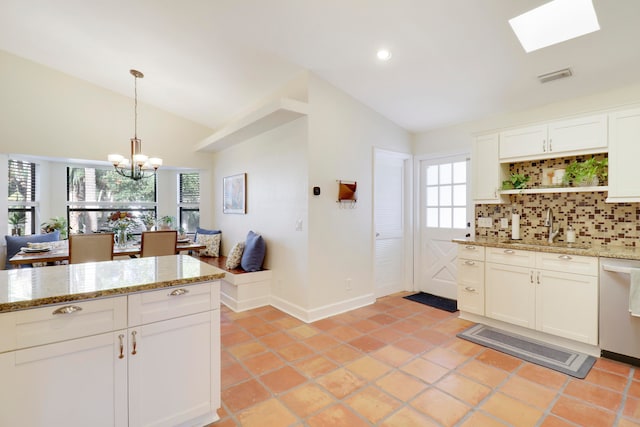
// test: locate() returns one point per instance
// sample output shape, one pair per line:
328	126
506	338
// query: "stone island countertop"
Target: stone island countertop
32	287
613	251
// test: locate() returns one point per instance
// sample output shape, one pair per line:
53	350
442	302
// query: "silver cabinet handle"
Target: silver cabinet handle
469	263
67	309
121	338
509	251
178	292
567	257
469	289
544	146
538	278
471	248
135	344
550	146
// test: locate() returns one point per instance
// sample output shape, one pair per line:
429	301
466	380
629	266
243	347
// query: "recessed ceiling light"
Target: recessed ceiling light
384	55
555	22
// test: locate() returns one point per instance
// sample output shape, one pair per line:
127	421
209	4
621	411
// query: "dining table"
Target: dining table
59	251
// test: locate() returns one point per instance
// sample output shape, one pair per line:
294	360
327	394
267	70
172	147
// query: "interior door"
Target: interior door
445	214
391	222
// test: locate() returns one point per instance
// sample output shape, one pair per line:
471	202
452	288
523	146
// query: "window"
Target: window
446	195
189	201
94	193
22	197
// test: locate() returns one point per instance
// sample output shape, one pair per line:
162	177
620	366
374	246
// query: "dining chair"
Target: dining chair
157	243
90	247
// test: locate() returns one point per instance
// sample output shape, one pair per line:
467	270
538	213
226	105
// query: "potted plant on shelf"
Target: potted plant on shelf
148	219
56	223
591	172
516	181
166	222
17	221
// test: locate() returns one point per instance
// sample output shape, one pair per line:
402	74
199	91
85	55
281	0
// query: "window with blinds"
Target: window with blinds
93	194
21	199
189	201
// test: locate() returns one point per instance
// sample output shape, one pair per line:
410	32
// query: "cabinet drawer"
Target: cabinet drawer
471	252
470	272
567	263
54	323
168	303
471	299
511	257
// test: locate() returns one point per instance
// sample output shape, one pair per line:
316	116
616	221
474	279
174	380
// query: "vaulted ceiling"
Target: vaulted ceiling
206	60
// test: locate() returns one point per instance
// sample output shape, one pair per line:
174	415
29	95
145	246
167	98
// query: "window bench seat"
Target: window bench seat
242	290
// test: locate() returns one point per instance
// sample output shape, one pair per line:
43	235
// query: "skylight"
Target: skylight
555	22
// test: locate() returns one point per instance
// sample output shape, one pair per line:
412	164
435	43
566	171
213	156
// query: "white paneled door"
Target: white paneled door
444	215
392	219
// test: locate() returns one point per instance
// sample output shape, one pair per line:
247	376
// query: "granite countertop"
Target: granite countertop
32	287
620	252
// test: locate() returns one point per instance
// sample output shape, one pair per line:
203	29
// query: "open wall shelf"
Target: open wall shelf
600	188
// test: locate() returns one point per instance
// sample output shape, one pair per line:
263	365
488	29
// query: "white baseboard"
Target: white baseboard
319	313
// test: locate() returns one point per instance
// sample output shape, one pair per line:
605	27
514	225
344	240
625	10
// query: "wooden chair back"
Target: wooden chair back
158	243
90	247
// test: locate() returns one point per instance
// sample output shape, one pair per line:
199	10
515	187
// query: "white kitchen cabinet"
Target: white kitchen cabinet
471	279
552	293
91	363
624	152
79	382
571	137
487	171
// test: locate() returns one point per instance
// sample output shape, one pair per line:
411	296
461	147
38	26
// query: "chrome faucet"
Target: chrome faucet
548	222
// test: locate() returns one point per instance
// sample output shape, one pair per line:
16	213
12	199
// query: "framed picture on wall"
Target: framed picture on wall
234	199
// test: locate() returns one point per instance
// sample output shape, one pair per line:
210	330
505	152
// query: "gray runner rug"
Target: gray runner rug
550	356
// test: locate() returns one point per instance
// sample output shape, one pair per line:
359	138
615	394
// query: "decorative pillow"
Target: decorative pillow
235	256
212	241
14	243
254	250
204	231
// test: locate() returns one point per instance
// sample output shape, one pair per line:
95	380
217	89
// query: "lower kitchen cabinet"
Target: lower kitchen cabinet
552	293
162	372
78	382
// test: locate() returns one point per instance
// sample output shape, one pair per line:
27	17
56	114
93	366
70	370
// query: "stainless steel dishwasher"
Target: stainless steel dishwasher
619	330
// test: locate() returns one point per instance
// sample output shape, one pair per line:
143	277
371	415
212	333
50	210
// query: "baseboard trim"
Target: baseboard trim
323	312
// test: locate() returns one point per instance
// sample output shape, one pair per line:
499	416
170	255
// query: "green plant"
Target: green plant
148	219
17	221
167	221
516	181
587	172
56	223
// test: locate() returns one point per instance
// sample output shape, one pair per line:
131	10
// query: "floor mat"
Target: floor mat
560	359
435	301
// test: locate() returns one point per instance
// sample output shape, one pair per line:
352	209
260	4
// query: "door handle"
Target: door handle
377	234
469	263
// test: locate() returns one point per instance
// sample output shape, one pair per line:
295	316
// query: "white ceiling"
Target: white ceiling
453	60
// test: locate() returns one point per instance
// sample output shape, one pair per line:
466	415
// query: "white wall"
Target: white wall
342	136
457	138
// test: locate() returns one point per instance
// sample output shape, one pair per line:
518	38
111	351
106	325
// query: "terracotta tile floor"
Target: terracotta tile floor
398	363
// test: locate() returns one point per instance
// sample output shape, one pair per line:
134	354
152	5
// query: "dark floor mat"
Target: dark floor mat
435	301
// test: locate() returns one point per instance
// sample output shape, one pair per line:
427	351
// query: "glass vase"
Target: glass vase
121	238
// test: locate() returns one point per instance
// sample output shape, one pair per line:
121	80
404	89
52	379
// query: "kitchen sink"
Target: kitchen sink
530	243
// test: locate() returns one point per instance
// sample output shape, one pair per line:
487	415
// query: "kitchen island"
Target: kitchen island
119	343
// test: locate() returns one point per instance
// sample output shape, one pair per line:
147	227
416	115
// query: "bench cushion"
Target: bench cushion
254	251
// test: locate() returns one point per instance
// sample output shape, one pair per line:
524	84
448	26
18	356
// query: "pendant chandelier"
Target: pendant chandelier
137	166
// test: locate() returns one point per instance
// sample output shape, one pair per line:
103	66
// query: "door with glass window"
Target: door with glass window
445	215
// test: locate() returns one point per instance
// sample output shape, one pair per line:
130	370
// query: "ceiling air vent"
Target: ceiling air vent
555	75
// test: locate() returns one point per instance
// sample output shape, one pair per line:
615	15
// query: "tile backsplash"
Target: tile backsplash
596	223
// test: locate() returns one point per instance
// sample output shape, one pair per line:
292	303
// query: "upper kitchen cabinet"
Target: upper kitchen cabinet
582	135
486	171
624	152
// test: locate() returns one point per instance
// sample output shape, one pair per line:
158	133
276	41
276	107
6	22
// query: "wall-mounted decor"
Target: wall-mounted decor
234	199
348	192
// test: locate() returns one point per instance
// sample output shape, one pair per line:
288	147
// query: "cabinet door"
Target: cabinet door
486	170
582	135
170	371
471	286
624	152
79	382
567	305
510	294
523	143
